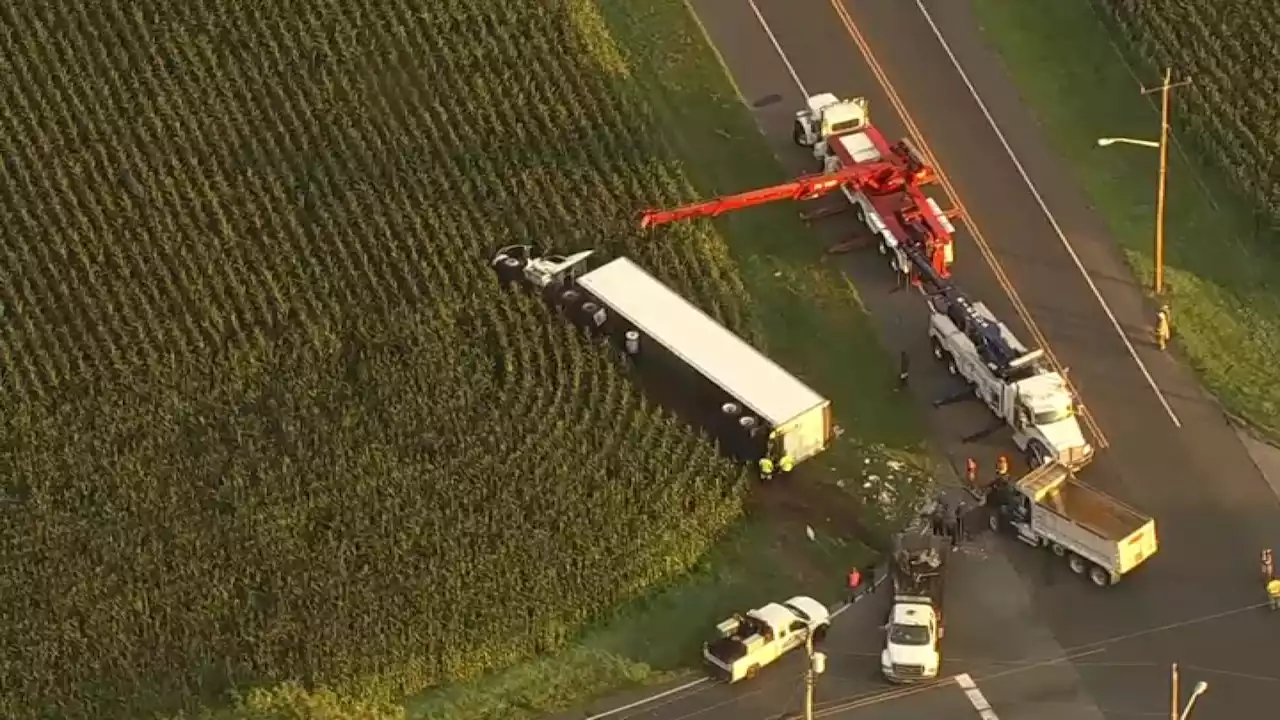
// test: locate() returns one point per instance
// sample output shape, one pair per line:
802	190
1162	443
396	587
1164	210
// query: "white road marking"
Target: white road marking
1035	192
976	698
651	698
778	46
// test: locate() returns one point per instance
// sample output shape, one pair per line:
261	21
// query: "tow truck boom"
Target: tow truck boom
901	170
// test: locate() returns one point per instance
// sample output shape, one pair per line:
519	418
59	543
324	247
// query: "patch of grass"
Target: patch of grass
1220	263
657	639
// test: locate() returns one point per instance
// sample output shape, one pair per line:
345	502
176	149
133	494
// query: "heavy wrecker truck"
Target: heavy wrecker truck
842	136
882	183
1014	382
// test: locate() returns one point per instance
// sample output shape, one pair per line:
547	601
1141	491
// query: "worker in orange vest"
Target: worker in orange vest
1163	327
1002	468
855	581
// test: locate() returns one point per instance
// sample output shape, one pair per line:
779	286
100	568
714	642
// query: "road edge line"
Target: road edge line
1044	207
647	700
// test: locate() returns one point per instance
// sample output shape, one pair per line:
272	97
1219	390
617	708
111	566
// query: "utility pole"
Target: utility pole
1164	89
817	664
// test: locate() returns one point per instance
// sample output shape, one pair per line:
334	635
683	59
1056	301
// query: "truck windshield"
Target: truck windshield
909	635
1050	417
845	126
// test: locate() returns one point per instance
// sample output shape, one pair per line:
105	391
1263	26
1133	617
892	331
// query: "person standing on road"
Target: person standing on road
787	463
953	526
1164	327
1268	566
904	365
938	518
855	581
1002	468
1273	593
971	472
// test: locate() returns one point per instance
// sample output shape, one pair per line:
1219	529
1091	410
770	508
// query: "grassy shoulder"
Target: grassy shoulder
813	323
1220	267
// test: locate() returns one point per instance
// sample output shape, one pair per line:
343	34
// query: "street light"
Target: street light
1103	142
1163	147
1200	689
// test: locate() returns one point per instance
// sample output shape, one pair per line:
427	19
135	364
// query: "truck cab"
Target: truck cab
1044	422
826	116
748	641
911	646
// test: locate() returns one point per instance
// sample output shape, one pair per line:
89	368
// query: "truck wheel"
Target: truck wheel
752	672
820	633
1057	549
952	368
860	214
993	521
798	134
1037	454
936	347
1100	577
1078	564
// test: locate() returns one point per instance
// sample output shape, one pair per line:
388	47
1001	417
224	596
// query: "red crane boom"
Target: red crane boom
900	172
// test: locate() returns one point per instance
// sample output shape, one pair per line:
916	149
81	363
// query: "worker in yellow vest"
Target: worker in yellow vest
1273	593
766	468
786	463
1164	328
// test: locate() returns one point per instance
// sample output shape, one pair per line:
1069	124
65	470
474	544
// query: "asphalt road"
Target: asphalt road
1171	453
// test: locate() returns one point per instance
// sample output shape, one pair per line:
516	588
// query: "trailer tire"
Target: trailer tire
1057	549
752	672
936	347
993	522
1077	564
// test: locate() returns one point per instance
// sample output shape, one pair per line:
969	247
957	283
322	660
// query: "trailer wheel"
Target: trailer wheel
993	521
938	352
1057	549
1078	564
1100	577
752	672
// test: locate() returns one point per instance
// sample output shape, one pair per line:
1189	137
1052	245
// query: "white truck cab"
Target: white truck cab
747	642
1032	399
826	116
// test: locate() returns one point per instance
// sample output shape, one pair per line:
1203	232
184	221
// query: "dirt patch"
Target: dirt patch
789	505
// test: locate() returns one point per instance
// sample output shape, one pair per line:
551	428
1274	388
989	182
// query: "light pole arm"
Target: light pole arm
1103	142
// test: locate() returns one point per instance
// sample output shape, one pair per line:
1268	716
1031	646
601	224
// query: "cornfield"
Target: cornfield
267	415
1228	47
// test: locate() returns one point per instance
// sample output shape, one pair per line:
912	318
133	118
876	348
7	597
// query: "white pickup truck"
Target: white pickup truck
748	642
